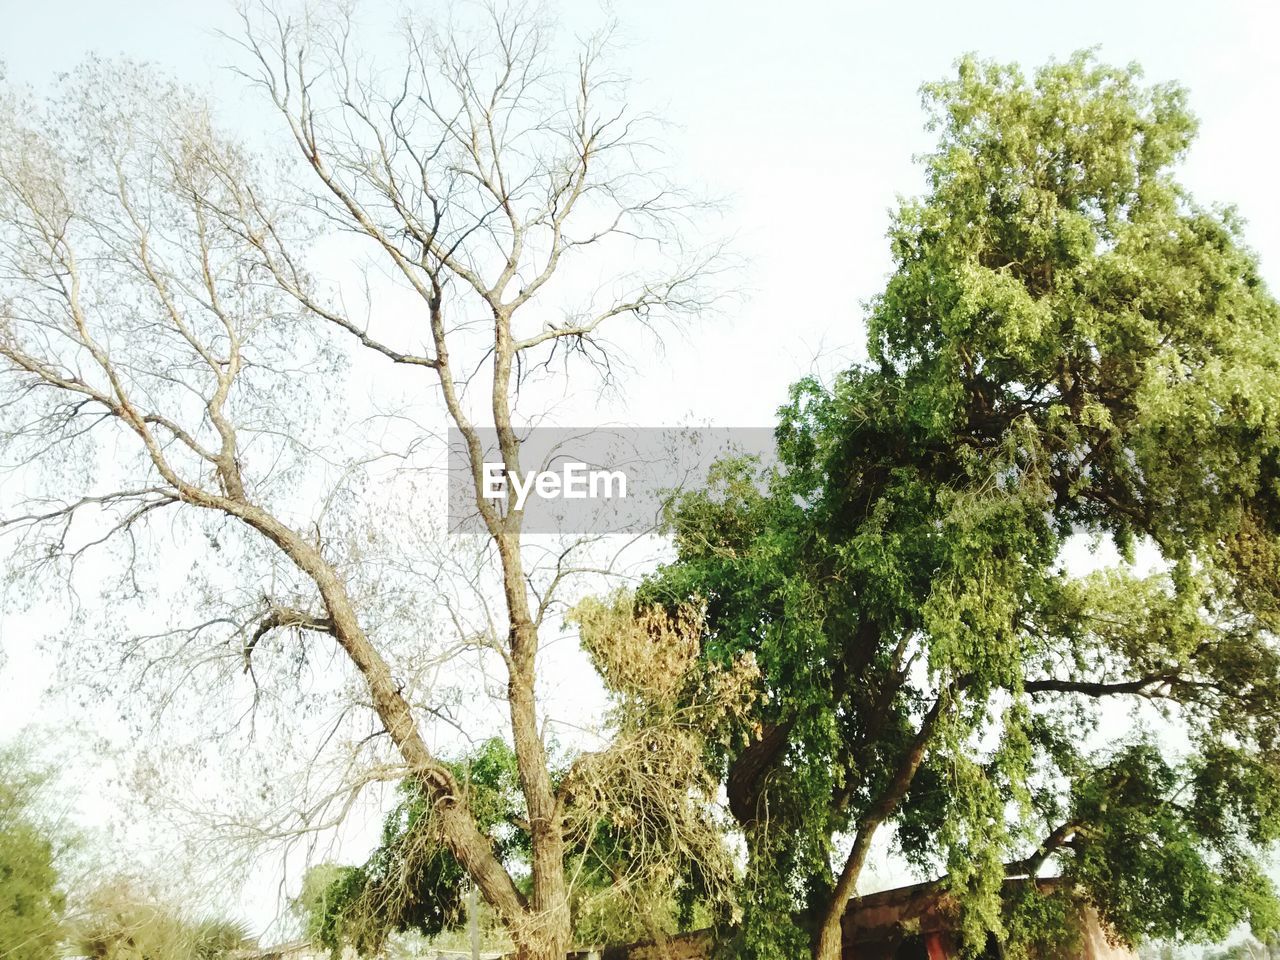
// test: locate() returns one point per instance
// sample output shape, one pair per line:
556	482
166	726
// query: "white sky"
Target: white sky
804	116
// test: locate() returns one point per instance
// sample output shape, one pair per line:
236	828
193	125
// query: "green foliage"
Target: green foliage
1040	923
327	898
124	925
1169	865
411	882
31	900
1068	346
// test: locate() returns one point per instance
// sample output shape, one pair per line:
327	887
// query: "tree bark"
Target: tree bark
549	901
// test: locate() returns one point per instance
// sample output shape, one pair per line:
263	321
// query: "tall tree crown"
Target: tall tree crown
1068	345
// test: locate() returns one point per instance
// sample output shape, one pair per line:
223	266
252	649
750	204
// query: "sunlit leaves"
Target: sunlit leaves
1068	345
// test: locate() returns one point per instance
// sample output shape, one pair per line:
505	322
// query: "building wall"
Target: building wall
916	923
909	923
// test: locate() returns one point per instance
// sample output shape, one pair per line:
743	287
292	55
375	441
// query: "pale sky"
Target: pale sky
804	118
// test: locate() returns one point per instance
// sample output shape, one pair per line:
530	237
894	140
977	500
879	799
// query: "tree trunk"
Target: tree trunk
549	897
547	945
829	943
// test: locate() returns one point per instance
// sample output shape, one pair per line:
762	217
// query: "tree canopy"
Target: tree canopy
1069	350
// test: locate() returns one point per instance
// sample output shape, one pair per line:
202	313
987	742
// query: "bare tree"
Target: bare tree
158	313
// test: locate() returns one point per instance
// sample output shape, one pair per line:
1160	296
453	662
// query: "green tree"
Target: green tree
1069	347
411	882
31	900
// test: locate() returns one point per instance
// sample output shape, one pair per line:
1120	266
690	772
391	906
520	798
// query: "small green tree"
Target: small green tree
1069	346
411	882
31	900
